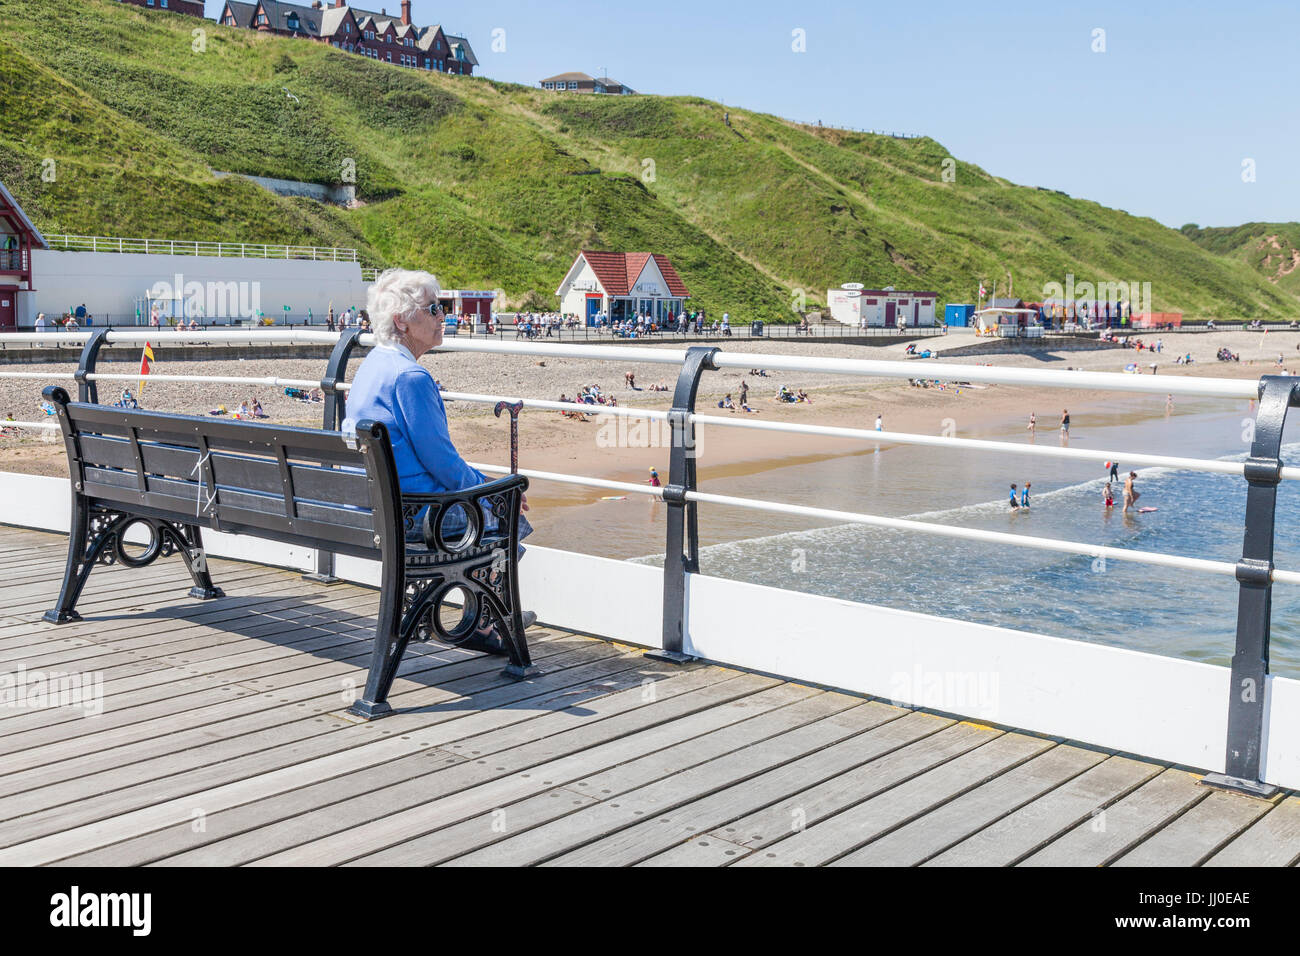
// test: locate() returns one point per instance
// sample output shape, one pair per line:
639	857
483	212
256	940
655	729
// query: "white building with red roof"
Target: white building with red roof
623	285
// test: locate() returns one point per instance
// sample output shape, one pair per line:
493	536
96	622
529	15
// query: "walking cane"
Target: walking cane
514	409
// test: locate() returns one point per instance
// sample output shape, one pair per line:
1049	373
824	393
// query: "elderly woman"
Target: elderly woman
392	387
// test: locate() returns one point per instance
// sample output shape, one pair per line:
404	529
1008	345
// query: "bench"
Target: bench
172	475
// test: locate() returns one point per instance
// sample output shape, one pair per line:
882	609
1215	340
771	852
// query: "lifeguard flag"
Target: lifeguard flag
146	363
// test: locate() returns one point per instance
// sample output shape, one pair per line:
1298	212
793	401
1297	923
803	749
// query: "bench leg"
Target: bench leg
390	644
190	541
88	539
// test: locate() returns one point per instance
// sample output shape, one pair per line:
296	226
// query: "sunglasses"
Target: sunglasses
436	309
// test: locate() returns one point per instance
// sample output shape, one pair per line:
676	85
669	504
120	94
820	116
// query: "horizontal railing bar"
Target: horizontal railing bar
270	381
628	411
1105	381
573	479
1222	568
1211	465
878	368
45	426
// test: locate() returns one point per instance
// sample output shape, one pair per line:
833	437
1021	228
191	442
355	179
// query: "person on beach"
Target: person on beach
1114	470
1131	494
744	392
1015	505
880	423
1033	424
1024	496
1108	496
1065	425
728	404
653	481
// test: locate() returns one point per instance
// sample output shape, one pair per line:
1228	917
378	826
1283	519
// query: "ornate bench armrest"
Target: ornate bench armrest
489	510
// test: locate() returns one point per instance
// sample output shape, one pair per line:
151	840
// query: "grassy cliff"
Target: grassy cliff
115	117
1272	249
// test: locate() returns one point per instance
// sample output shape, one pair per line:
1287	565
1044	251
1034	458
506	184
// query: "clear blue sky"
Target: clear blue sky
1159	124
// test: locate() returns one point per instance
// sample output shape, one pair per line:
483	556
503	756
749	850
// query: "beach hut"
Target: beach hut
958	315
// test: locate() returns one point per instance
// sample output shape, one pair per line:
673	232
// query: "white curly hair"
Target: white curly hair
398	294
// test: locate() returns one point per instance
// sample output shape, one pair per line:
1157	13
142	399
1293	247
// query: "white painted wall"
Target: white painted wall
575	300
109	283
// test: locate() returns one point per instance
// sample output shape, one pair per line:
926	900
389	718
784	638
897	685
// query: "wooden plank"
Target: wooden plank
939	829
693	729
775	739
168	763
1199	832
806	805
1105	836
354	800
231	828
1033	826
345	748
666	828
822	842
706	850
1273	841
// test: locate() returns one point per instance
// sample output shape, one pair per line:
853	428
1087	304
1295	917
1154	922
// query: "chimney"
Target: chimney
406	11
340	3
316	5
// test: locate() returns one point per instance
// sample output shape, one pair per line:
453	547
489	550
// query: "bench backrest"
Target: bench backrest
297	485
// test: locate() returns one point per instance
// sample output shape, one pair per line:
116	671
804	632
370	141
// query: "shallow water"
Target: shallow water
1178	613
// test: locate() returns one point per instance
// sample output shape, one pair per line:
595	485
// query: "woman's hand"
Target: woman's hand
523	502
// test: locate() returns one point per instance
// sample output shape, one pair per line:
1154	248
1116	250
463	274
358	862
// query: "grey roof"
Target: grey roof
566	77
36	233
454	41
331	19
278	12
243	13
1006	303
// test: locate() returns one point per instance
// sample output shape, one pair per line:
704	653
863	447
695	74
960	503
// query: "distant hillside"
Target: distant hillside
1270	248
496	185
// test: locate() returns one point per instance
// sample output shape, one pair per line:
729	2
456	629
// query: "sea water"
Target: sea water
1166	611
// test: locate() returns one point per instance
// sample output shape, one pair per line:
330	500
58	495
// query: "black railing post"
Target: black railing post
86	388
1246	695
334	413
682	549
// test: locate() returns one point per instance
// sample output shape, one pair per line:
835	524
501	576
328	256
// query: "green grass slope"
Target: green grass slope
495	185
1270	248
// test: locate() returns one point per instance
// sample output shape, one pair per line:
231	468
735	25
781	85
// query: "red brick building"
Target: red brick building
18	237
380	36
193	7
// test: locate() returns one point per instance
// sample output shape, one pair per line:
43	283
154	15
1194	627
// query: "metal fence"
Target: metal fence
185	247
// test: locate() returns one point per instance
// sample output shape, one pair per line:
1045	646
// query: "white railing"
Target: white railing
187	247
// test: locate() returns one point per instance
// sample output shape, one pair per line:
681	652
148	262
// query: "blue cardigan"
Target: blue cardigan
392	387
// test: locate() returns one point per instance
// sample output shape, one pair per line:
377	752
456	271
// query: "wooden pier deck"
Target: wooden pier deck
223	740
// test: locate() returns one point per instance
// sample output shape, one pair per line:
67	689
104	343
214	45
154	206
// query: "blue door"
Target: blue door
593	309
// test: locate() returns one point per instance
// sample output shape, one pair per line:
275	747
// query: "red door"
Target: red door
889	314
8	307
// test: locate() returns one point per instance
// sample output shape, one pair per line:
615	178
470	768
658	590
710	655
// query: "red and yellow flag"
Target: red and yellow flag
146	363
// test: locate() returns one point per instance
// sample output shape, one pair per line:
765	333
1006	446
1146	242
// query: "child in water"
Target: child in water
1014	503
1024	496
1108	497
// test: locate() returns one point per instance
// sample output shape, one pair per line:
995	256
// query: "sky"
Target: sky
1184	112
